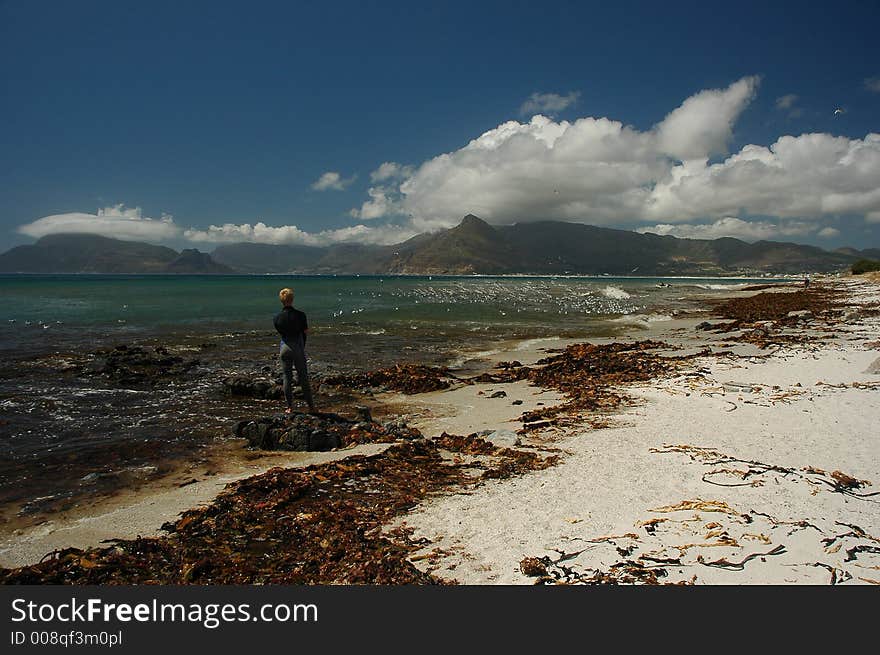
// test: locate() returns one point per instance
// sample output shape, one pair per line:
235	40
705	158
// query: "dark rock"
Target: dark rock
499	394
137	365
517	402
363	413
242	385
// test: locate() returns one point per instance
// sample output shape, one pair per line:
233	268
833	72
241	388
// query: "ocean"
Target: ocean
65	434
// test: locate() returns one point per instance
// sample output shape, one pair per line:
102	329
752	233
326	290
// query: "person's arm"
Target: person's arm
305	329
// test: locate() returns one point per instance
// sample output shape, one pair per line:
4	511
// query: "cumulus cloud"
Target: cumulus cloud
703	124
548	103
828	232
391	170
384	201
873	84
600	171
117	222
291	234
730	226
332	181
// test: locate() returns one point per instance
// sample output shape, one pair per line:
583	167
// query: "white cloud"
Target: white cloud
731	226
291	234
828	232
332	181
391	170
600	171
703	124
117	222
384	201
786	101
873	84
548	103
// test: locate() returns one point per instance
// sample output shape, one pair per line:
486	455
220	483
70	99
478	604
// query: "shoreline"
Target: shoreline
462	410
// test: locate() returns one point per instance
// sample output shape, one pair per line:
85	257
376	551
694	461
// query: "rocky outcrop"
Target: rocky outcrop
324	431
248	387
135	366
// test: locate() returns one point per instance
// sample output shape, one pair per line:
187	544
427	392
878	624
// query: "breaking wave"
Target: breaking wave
615	292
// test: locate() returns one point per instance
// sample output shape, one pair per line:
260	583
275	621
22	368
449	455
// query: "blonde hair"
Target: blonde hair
286	295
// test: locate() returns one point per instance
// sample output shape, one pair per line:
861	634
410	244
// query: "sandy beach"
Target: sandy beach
725	476
746	465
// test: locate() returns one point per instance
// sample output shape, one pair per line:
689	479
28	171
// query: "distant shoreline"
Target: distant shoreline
781	277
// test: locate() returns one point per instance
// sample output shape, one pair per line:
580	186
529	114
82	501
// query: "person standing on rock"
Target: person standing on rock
292	326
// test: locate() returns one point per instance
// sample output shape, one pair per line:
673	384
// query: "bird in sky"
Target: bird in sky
839	110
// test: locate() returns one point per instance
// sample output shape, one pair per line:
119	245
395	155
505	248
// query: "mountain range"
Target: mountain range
473	246
90	253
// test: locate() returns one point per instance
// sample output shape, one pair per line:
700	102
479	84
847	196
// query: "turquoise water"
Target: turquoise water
70	309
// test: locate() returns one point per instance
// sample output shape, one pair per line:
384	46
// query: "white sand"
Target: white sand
613	479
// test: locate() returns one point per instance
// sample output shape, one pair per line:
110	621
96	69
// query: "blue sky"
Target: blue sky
117	114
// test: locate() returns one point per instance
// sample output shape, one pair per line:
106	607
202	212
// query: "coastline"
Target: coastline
590	494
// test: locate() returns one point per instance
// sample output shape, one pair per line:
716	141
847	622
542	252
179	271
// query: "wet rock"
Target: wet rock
517	402
242	385
499	394
311	432
137	365
804	313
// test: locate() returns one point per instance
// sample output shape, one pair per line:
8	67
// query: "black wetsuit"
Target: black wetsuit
292	325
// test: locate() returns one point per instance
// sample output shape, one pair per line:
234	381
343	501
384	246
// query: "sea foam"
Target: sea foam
615	292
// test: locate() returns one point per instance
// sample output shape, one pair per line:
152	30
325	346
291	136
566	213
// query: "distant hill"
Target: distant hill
868	253
473	246
89	253
192	261
268	258
555	247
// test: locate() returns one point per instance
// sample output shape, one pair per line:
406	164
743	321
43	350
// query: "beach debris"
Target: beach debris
323	524
725	473
405	378
675	548
589	375
739	566
781	307
532	567
498	394
763	318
